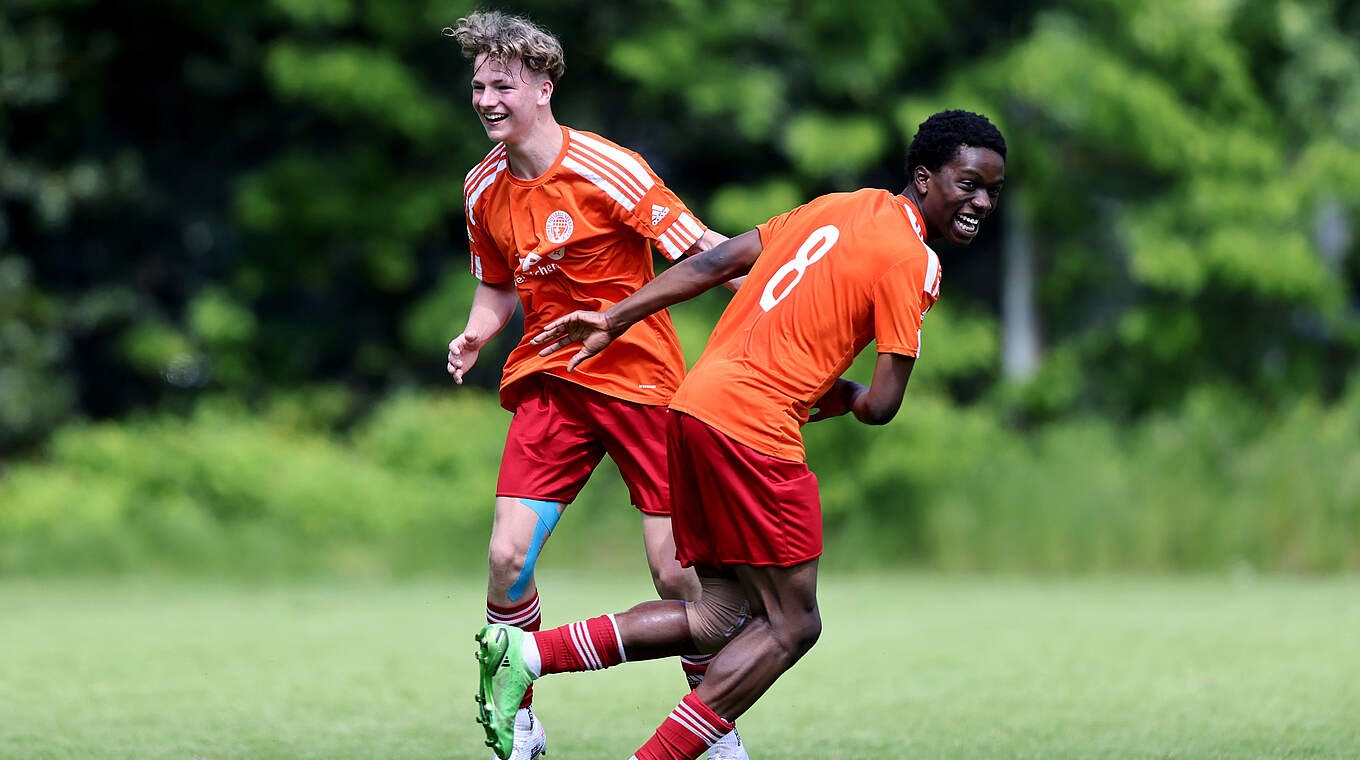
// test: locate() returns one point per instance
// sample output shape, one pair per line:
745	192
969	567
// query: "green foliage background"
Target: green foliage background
231	256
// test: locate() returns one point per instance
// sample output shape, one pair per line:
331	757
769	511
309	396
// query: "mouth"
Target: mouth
967	224
492	119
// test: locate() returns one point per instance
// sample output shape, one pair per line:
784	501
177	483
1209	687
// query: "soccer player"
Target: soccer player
559	219
822	281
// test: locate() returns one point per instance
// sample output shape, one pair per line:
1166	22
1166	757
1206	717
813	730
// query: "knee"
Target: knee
505	562
797	633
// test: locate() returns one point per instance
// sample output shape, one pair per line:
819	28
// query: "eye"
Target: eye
967	184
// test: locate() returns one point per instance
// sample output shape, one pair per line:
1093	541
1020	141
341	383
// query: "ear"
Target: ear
920	178
545	91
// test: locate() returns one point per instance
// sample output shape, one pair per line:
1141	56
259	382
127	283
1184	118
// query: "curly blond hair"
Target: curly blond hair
503	38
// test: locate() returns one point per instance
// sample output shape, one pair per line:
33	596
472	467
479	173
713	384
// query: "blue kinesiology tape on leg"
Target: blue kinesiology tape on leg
548	513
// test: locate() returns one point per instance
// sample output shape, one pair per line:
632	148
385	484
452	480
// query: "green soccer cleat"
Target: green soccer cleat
504	679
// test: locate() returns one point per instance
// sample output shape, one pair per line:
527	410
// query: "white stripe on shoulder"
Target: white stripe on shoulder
495	155
608	187
615	176
627	162
932	281
916	225
487	178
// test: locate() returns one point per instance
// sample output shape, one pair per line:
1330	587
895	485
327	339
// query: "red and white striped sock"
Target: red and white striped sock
525	615
686	733
695	666
585	645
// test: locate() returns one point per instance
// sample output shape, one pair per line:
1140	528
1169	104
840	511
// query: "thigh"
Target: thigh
780	594
634	435
734	505
550	451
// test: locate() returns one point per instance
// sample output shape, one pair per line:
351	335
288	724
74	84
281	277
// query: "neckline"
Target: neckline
540	179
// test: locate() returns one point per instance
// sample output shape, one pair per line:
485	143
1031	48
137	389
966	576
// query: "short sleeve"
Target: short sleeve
902	296
771	228
661	216
486	262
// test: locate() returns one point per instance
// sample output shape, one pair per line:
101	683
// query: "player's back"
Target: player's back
833	274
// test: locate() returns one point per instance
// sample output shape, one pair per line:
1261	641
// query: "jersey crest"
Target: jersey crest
559	227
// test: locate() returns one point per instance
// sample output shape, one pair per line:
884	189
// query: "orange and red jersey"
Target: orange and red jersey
832	275
576	238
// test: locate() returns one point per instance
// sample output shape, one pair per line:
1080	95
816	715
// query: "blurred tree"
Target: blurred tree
263	195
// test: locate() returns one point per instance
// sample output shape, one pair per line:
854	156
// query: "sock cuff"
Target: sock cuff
517	615
697	709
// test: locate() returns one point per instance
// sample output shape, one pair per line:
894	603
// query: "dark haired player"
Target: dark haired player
822	281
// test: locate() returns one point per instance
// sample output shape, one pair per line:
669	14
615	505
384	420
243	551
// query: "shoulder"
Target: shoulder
614	170
492	164
483	175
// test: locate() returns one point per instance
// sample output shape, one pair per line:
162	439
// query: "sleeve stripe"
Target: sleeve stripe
689	229
606	172
605	185
476	266
669	247
625	161
481	187
680	238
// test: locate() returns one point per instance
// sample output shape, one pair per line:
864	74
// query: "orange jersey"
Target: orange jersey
576	238
832	275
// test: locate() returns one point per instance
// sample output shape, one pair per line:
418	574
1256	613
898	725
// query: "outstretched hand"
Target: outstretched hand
589	328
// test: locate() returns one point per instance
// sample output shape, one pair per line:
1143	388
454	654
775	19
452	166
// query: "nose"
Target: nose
485	99
982	201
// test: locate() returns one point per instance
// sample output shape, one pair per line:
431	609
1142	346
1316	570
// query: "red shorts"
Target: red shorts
733	505
561	431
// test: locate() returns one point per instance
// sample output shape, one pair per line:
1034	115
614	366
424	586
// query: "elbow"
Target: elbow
877	414
878	417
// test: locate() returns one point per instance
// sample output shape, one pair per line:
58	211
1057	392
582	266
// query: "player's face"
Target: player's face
507	98
955	199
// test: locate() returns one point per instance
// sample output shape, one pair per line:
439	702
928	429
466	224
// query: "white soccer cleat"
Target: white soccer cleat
531	740
728	748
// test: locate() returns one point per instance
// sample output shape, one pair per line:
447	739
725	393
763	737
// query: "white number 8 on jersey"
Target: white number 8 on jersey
818	243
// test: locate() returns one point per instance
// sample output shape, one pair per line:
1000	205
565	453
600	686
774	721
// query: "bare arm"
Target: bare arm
711	239
492	307
685	280
874	405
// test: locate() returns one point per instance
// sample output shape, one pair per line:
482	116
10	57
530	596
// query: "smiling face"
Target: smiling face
508	98
955	199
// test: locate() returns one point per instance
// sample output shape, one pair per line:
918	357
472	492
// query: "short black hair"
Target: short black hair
940	137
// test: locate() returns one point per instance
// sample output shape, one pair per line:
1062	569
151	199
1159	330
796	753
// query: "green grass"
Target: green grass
908	666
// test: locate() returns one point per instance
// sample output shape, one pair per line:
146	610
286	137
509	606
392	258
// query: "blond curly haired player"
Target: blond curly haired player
559	220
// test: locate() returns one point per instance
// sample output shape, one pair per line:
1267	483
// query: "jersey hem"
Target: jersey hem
799	455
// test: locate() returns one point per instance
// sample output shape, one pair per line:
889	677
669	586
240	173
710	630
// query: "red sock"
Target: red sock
525	615
686	733
695	666
586	645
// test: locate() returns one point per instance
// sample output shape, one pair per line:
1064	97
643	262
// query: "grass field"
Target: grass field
908	666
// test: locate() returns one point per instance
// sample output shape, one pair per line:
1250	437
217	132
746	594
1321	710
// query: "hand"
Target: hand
589	328
837	400
463	352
